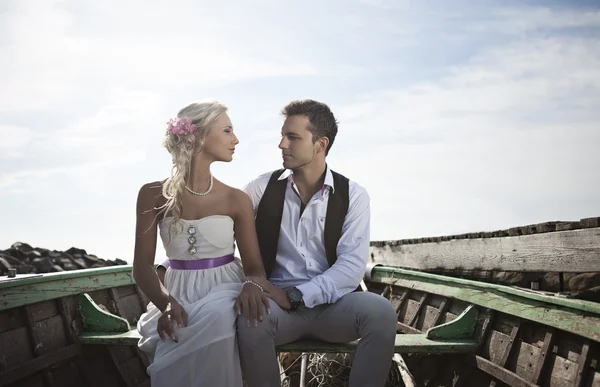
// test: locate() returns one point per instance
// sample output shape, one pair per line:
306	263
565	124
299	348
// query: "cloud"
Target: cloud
171	55
529	19
506	138
84	173
14	137
455	118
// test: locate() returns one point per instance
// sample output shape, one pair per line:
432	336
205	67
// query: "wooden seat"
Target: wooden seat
101	327
405	343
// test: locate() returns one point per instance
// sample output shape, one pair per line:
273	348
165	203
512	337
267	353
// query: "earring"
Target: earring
199	148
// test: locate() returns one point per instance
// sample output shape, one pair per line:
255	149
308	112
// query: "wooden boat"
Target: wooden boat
77	328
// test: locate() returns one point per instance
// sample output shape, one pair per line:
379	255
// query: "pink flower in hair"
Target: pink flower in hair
180	126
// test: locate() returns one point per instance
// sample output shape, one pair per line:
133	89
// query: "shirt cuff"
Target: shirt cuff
311	294
164	264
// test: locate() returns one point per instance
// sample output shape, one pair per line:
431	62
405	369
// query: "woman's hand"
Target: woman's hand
273	292
251	300
174	314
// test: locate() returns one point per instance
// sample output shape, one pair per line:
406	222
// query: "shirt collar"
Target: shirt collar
328	182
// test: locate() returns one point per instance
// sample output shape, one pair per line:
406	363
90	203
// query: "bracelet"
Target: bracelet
253	283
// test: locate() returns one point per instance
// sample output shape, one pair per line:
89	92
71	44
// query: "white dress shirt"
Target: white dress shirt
301	259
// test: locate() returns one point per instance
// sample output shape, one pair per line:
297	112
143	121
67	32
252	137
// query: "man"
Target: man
313	227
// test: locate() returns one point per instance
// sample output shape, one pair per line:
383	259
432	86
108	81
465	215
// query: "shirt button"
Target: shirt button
301	244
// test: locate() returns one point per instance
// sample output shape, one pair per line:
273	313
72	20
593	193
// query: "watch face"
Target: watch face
295	295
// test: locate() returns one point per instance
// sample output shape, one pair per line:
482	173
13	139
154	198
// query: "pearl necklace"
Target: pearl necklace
210	186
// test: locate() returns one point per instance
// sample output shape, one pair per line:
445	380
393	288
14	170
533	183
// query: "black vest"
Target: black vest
270	210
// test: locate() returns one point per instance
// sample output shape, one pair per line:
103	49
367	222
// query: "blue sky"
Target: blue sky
456	117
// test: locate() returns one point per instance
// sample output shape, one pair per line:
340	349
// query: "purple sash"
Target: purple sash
200	264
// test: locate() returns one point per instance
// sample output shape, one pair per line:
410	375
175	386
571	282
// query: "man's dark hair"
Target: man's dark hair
321	119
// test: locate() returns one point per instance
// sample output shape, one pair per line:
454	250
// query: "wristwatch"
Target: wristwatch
294	296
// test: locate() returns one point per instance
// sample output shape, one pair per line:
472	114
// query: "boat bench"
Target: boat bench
456	336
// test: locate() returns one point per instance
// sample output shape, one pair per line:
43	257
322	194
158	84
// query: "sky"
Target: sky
456	116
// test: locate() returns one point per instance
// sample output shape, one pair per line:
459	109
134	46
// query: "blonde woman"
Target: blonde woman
189	329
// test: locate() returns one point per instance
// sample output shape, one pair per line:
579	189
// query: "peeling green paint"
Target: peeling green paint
380	272
461	327
98	320
56	285
575	316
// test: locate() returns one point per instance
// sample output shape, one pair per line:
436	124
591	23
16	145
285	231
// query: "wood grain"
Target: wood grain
561	251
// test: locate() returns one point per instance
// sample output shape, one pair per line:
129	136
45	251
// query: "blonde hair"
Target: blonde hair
182	148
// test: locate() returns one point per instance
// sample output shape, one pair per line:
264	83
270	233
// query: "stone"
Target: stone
28	260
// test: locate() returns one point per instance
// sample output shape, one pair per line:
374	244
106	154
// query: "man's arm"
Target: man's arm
345	274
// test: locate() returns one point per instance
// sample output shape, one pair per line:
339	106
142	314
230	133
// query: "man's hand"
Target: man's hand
174	314
278	295
250	302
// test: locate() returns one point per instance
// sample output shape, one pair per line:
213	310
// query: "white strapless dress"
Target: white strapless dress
206	353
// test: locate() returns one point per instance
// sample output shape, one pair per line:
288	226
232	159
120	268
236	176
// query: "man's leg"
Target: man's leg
369	317
257	344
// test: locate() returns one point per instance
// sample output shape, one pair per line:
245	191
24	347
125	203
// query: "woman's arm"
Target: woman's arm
145	247
245	235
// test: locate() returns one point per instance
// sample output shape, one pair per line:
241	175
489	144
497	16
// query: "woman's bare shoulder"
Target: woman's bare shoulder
236	198
150	194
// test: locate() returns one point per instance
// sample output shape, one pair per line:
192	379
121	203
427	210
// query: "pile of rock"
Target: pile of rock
29	260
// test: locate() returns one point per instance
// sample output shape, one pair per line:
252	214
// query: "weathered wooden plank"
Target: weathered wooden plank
35	380
406	328
38	364
562	373
523	360
50	335
132	372
99	368
125	291
398	301
582	364
502	374
132	309
417	310
67	313
438	314
37	342
55	285
44	310
494	347
116	299
19	342
411	343
10	319
68	374
465	371
115	354
507	349
544	357
502	299
564	251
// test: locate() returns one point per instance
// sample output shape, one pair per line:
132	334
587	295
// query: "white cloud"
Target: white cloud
14	137
523	19
455	119
84	173
133	58
491	145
